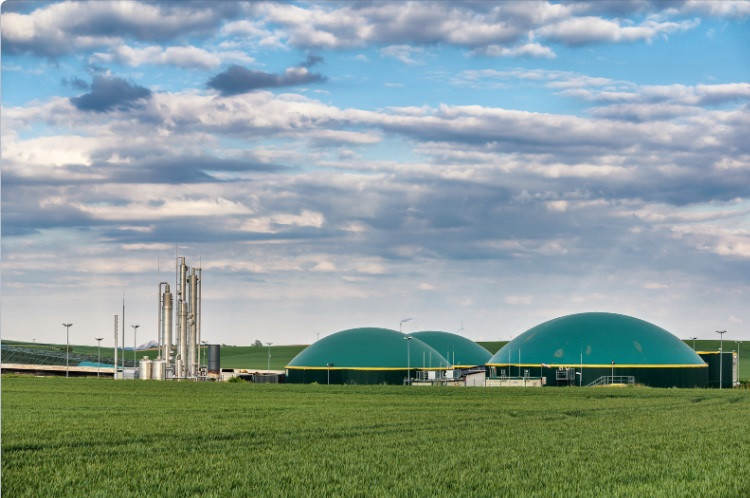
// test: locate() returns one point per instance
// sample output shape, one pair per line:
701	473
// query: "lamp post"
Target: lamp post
205	347
268	368
721	355
98	354
135	329
693	338
67	346
401	324
738	362
408	359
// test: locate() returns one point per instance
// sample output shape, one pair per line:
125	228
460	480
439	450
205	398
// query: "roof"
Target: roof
597	339
367	349
458	350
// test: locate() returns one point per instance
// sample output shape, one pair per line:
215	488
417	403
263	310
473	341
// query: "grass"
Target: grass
83	437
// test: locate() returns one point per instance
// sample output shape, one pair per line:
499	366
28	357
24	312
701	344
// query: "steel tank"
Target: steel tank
167	323
214	359
178	368
145	368
159	369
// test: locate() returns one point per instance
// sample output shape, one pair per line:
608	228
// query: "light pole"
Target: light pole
721	355
268	368
135	329
205	347
98	354
738	362
401	323
693	338
408	359
67	346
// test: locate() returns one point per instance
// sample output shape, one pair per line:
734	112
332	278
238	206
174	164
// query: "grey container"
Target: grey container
214	358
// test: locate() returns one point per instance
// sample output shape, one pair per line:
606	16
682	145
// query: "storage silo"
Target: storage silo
362	356
458	350
587	348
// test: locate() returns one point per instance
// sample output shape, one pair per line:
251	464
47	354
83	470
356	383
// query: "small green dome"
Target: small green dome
366	349
597	339
458	350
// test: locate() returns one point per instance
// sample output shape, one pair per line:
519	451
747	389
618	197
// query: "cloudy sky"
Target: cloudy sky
480	167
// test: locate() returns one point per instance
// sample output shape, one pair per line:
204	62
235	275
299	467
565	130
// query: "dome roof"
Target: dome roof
458	350
597	339
366	348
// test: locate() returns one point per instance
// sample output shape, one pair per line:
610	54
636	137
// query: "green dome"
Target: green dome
458	350
366	349
600	339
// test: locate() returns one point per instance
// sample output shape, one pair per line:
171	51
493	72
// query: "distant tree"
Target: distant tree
257	343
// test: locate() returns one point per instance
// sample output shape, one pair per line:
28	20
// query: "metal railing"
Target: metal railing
607	380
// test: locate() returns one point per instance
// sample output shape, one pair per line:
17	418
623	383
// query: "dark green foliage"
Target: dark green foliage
86	437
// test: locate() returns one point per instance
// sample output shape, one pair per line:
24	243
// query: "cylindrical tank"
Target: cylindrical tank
145	368
214	358
167	323
159	369
178	367
183	339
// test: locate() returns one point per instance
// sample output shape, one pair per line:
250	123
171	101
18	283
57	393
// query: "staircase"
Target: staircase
608	380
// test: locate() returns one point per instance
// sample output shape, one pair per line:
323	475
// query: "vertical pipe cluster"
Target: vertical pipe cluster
115	374
185	362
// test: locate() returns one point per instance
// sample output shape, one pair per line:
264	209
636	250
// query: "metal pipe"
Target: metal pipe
167	324
98	355
193	340
67	346
159	328
123	335
182	316
200	282
115	365
183	338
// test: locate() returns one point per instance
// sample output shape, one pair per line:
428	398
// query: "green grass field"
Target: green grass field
84	437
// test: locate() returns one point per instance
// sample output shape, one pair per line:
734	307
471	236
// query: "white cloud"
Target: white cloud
517	300
525	50
586	30
405	53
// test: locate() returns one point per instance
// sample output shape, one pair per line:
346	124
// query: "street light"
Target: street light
268	368
738	362
67	346
721	355
98	354
693	338
135	329
408	359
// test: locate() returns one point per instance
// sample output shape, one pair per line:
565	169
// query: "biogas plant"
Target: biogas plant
584	349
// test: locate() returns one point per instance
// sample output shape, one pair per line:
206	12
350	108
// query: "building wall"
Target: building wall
346	376
714	361
649	376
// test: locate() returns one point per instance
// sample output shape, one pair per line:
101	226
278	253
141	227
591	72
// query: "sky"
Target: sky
477	167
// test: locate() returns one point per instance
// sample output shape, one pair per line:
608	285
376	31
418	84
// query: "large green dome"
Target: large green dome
366	349
597	340
458	350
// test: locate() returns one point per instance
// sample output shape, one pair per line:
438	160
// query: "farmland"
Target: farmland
99	437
